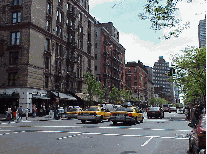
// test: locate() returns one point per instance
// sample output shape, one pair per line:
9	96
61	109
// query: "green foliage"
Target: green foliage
94	88
158	101
162	14
191	73
115	95
126	95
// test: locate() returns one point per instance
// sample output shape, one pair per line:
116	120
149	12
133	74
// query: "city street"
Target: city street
153	136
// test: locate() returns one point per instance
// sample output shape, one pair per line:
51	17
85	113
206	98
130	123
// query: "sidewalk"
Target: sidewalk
29	119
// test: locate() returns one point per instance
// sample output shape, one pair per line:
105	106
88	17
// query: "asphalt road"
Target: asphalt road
153	136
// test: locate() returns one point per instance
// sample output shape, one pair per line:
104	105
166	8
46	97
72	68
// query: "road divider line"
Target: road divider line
121	127
147	141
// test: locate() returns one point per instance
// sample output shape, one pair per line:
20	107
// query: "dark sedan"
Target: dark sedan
155	112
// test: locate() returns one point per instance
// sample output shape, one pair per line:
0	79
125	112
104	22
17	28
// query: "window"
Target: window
135	90
56	49
129	77
60	50
16	17
60	18
48	25
60	32
48	8
46	62
96	45
47	44
135	77
13	58
95	68
46	81
59	66
12	78
17	2
129	71
80	17
135	83
15	38
57	30
56	66
96	56
135	70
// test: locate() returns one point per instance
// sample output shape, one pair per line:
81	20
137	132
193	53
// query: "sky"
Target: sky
136	36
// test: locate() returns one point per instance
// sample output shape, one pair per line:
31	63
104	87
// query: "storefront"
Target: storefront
8	101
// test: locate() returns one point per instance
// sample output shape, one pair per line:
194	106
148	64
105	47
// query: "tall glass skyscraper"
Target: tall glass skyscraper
202	33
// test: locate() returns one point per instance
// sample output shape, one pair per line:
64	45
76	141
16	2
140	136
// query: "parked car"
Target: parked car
155	112
172	109
197	139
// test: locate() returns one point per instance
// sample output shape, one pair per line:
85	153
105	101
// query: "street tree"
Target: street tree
126	95
94	88
115	95
191	74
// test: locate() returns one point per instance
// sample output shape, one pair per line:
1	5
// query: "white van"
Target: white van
109	107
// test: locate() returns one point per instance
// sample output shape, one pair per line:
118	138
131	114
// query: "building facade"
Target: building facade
45	46
202	33
109	56
163	87
150	84
136	80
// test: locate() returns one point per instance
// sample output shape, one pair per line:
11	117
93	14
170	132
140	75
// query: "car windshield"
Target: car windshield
154	108
121	109
129	109
203	123
165	105
72	110
92	109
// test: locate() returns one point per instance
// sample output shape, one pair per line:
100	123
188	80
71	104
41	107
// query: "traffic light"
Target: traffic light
171	72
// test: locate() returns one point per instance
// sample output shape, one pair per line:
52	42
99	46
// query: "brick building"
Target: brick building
44	46
136	80
109	56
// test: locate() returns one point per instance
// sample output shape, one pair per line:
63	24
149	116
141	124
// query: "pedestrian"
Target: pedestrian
20	112
14	111
17	114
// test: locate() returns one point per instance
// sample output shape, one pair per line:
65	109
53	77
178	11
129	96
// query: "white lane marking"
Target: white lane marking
147	141
111	134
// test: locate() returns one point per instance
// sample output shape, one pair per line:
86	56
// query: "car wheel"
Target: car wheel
114	122
161	117
83	121
101	120
109	119
190	146
147	117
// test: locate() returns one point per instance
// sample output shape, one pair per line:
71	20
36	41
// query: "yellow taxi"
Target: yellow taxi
93	113
127	114
73	113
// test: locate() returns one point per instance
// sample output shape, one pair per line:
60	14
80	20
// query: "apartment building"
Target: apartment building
163	87
136	80
150	84
44	46
109	56
202	33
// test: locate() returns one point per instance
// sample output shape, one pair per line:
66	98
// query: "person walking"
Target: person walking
20	112
14	111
